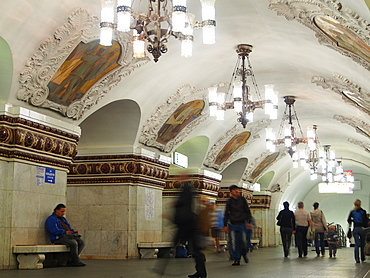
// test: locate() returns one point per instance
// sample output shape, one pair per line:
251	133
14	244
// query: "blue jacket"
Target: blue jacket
54	227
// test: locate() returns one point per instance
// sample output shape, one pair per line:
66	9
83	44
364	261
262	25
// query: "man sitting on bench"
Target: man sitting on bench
60	232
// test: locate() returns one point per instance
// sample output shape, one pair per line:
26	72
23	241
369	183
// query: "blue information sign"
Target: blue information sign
50	175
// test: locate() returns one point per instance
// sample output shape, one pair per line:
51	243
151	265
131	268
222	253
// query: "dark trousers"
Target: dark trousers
194	238
75	246
332	248
286	238
301	240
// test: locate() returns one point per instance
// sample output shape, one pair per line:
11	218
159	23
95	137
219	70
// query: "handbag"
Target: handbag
349	233
310	234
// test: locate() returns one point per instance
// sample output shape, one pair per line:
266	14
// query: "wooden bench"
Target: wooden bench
33	256
150	250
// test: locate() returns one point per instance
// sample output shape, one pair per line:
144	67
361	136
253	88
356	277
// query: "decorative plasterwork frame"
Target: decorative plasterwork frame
184	94
254	129
54	51
252	166
304	11
360	126
362	144
339	84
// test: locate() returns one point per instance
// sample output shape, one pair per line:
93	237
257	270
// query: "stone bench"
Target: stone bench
150	250
33	256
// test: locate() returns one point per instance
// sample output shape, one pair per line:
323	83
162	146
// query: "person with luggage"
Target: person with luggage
332	241
286	221
358	217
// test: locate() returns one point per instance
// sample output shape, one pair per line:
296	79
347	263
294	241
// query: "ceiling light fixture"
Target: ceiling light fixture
164	18
240	96
287	132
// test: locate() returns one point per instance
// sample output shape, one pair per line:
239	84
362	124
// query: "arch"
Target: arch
234	171
114	125
6	69
266	179
195	149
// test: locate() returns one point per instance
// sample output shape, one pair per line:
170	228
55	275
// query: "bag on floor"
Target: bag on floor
181	251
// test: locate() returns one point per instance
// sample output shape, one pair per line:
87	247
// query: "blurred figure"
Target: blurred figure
286	221
236	219
249	234
332	241
358	217
186	221
302	221
217	224
319	224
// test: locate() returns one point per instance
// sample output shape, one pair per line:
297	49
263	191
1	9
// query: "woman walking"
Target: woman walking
319	224
359	218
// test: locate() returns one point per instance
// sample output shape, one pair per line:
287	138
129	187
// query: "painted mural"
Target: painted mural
183	115
82	69
263	165
235	143
343	37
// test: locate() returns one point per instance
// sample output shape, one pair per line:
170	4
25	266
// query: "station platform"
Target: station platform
263	262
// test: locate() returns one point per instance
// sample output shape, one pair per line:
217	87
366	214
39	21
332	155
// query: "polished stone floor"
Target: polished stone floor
264	262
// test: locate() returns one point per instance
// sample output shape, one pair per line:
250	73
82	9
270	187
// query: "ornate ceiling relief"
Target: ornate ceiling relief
175	119
362	144
257	167
226	149
336	26
360	127
52	66
350	92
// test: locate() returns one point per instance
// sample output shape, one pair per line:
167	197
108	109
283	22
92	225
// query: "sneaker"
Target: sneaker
245	259
236	263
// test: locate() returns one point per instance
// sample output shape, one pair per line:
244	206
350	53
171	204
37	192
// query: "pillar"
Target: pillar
115	202
35	155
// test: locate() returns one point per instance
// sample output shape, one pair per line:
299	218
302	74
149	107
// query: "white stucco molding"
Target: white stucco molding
304	11
282	150
254	128
359	125
362	144
350	92
184	94
39	70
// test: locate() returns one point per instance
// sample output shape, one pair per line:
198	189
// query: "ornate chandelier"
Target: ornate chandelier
164	18
239	92
287	132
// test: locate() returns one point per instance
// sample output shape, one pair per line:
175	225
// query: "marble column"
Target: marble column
115	201
202	185
30	143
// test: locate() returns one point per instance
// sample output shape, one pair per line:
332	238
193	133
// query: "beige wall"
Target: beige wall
25	206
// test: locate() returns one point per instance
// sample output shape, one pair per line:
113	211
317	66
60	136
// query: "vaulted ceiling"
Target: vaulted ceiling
289	51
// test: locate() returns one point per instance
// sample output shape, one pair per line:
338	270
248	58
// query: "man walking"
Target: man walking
236	220
302	220
60	232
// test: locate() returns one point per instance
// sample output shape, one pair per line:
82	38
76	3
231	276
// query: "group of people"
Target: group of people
237	220
192	228
301	221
